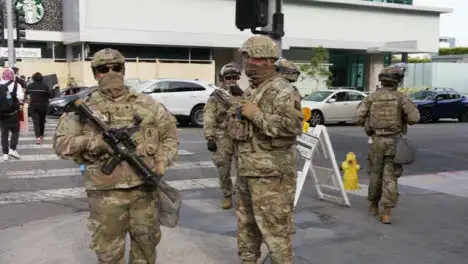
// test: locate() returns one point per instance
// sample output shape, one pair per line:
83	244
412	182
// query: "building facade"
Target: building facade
360	35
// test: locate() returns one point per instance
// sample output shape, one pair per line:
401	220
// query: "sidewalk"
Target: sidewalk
429	227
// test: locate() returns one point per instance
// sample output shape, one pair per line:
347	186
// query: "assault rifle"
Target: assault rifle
124	150
223	98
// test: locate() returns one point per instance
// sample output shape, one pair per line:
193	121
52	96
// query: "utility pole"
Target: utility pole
11	47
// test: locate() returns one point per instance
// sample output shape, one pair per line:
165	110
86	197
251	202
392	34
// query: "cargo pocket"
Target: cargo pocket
94	228
275	206
151	140
139	139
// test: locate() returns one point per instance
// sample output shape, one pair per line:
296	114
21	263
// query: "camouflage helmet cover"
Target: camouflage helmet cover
229	68
393	73
107	56
288	69
261	47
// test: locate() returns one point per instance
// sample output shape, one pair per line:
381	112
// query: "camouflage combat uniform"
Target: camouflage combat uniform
215	119
290	72
267	157
385	114
118	202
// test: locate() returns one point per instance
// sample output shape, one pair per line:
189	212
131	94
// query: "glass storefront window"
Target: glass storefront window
348	70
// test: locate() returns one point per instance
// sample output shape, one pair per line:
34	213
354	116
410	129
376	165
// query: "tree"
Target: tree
317	69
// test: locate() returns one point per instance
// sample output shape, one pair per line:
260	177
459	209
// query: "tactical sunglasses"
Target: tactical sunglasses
230	78
106	68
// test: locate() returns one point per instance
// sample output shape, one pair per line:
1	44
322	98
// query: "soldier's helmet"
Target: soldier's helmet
288	69
107	56
394	73
260	47
229	69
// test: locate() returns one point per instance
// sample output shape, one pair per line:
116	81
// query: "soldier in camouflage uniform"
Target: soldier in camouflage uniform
290	72
119	202
219	142
267	155
385	115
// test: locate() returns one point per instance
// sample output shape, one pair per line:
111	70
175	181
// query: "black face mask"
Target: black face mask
235	90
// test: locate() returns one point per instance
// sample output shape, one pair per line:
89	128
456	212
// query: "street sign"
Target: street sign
23	53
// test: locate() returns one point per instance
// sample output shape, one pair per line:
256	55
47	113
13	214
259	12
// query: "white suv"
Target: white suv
185	99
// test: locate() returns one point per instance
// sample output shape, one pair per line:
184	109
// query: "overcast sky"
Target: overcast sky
453	24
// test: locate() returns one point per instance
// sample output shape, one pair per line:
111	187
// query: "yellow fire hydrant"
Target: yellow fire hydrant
307	115
350	175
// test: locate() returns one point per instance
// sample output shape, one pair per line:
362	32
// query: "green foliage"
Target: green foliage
412	60
453	51
316	69
407	90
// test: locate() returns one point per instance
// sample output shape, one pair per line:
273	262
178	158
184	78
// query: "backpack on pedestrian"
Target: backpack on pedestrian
8	101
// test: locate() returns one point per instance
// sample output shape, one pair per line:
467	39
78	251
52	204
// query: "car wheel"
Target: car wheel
463	117
426	116
317	118
196	116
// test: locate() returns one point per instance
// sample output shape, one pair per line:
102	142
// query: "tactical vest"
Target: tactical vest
239	127
122	115
386	113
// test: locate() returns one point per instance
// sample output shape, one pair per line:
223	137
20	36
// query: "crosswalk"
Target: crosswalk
40	175
29	178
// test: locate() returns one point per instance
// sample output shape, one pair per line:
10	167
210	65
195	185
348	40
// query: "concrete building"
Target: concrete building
447	42
200	35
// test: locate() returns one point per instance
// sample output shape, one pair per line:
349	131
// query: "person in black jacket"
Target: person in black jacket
39	94
19	79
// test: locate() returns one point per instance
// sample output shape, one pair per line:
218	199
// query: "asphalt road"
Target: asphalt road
40	186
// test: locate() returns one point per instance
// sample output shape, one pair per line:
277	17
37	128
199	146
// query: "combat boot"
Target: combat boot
227	203
374	209
385	217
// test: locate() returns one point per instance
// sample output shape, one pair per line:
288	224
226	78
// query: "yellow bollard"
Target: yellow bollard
350	175
307	115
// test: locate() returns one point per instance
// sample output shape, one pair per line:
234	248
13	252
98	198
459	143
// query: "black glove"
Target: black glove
235	90
212	145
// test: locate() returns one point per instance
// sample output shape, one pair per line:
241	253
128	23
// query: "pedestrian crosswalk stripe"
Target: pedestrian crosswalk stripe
67	172
76	193
32	138
47	157
34	146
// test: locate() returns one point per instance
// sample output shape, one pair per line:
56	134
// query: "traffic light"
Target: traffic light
251	14
20	26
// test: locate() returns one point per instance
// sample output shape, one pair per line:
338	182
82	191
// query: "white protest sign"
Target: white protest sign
325	177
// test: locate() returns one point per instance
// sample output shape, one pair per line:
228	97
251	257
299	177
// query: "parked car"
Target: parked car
184	99
57	105
133	82
333	106
437	103
72	90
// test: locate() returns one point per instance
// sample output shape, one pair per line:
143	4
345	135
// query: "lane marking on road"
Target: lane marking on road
32	138
70	172
34	146
49	157
77	193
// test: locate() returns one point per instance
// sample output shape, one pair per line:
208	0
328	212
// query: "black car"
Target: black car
57	105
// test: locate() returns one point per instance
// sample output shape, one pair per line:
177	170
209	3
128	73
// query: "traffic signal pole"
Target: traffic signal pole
275	22
11	39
